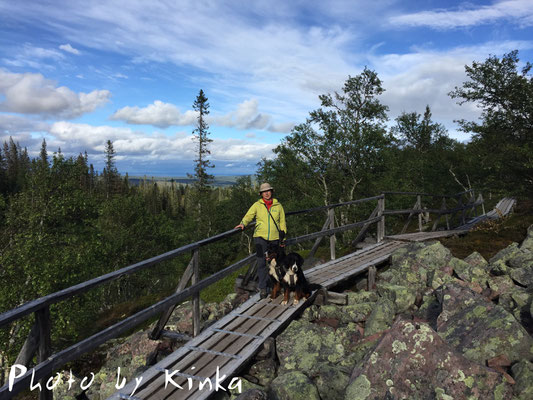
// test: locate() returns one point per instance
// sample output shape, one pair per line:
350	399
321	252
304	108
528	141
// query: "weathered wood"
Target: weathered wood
371	278
411	214
196	297
59	359
381	223
365	227
332	238
42	319
160	325
318	240
30	346
419	201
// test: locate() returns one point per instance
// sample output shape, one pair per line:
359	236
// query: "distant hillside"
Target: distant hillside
220	181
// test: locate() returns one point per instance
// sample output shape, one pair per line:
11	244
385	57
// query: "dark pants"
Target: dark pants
260	249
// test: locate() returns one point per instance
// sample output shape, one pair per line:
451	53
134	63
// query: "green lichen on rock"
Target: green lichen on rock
331	381
245	385
381	318
403	296
362	296
294	386
359	389
523	375
477	260
314	344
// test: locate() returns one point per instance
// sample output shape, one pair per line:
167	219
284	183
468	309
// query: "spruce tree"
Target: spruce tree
201	133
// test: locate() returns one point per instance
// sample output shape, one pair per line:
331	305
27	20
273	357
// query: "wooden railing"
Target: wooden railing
39	341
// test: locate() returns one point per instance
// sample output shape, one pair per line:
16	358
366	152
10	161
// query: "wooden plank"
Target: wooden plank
218	342
196	297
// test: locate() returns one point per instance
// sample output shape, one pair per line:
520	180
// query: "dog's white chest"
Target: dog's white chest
272	269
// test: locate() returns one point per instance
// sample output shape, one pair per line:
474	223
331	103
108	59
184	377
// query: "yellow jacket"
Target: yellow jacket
264	226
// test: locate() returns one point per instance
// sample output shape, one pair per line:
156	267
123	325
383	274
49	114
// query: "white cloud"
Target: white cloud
69	49
33	57
15	125
164	115
139	146
30	93
516	11
157	114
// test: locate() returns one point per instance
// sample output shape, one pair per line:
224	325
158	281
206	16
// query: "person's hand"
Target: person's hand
282	243
240	226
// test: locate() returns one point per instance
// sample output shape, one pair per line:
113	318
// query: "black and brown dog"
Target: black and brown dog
286	272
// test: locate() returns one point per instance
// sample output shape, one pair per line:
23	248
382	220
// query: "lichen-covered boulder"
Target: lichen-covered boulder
362	296
252	394
505	254
263	371
381	317
249	391
524	276
331	380
302	346
412	265
130	356
469	273
65	391
412	362
480	329
293	386
500	284
527	244
343	314
524	259
403	296
477	260
523	375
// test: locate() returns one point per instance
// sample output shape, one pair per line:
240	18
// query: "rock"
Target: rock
252	394
504	255
500	284
402	296
63	390
263	372
411	361
477	260
343	314
524	276
249	391
293	386
130	356
469	273
331	381
480	329
527	244
363	296
302	346
381	317
524	259
523	375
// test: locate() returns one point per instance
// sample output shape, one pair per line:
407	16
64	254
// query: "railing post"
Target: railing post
196	296
381	223
42	318
332	239
419	202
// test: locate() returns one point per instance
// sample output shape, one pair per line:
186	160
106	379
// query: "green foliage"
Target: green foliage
505	95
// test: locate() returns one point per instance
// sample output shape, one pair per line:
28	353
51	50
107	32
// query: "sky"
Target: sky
80	72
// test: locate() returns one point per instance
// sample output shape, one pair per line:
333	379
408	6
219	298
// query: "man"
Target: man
270	227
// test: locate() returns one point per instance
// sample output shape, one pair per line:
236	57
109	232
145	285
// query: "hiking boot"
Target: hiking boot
262	294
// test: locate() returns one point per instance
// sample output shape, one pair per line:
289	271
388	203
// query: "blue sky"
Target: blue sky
81	72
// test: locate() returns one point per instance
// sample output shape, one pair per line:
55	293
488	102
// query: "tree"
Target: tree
340	145
201	133
424	149
505	95
110	173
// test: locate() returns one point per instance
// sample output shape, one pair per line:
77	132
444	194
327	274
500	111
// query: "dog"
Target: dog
286	273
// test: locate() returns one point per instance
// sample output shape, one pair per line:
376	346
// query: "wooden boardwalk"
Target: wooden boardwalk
225	347
229	344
